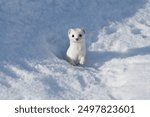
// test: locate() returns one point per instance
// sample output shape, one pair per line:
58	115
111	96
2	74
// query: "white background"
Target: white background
7	108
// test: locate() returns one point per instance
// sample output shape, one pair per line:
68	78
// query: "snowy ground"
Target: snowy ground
33	42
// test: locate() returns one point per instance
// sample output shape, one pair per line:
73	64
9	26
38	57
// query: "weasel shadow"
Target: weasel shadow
96	59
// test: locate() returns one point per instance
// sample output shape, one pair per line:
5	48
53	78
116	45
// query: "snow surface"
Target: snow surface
33	42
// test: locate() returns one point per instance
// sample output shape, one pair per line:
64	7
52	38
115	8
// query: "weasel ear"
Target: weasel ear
69	31
83	30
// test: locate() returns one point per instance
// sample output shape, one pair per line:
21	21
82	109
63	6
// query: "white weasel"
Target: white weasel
77	49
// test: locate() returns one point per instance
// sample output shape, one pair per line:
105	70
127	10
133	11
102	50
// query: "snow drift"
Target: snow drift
33	42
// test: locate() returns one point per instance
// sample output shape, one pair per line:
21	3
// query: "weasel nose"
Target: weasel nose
77	39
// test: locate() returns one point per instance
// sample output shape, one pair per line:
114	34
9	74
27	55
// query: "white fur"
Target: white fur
77	49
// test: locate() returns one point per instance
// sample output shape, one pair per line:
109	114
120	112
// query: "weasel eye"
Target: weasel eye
80	35
72	35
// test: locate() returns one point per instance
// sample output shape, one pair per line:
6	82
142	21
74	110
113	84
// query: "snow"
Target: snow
33	43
